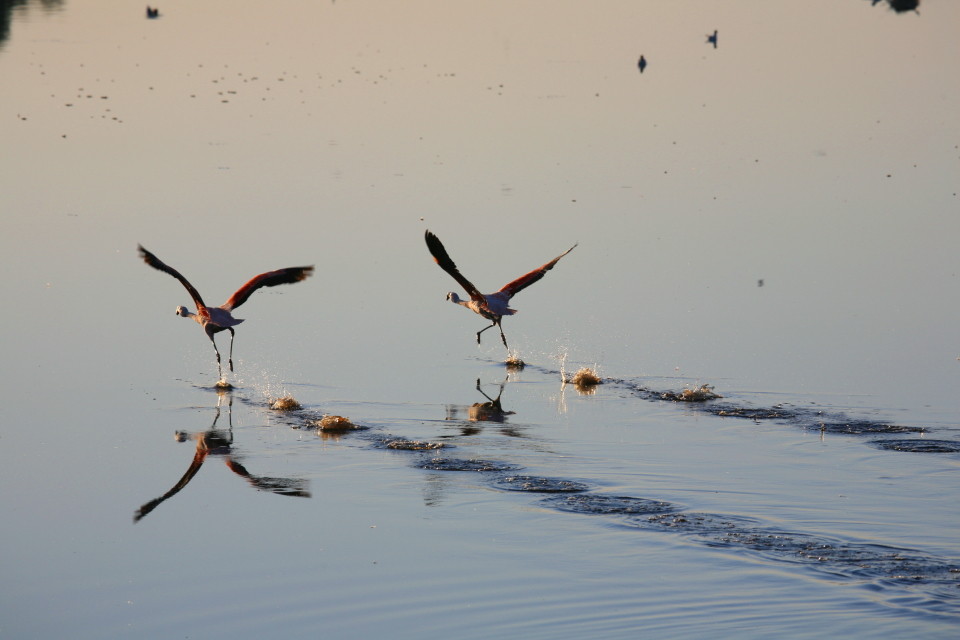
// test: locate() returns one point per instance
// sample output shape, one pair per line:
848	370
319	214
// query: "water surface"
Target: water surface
774	217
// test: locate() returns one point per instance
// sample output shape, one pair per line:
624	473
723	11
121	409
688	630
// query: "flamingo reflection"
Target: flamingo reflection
489	411
219	442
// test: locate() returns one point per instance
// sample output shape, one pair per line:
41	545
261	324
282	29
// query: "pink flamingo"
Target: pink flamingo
217	319
495	305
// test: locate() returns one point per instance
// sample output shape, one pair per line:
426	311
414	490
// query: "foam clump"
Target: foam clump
699	394
586	377
514	362
286	403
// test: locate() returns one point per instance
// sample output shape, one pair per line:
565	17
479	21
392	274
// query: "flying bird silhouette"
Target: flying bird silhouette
642	64
712	38
217	319
492	306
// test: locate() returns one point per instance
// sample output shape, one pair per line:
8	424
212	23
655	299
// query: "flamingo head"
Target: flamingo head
453	297
183	312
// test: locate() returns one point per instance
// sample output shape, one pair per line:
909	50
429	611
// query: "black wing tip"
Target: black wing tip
436	248
148	257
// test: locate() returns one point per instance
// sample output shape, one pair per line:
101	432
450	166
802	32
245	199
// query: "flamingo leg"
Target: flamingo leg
484	329
210	335
497	325
231	347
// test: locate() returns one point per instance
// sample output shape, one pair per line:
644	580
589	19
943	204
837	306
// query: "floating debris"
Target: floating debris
286	403
700	394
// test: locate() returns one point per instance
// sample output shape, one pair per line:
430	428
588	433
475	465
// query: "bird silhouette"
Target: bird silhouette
492	306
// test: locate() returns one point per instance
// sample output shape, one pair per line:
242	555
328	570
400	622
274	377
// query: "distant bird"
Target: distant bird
901	6
712	39
495	305
152	13
216	319
642	64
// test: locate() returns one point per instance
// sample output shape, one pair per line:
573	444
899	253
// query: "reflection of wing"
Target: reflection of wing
198	459
156	263
281	486
442	258
524	281
268	279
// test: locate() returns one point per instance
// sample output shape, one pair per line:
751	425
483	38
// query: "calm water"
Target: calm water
775	217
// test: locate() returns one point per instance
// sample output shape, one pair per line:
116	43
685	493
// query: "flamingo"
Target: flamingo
712	38
217	319
492	306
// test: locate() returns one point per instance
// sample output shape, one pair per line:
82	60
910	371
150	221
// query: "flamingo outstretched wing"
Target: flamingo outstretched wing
288	275
282	486
195	465
443	259
156	263
524	281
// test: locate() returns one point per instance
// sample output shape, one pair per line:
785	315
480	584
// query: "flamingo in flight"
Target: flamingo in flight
217	319
492	306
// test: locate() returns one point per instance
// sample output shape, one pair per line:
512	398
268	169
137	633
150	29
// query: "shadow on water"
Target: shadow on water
7	7
219	442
